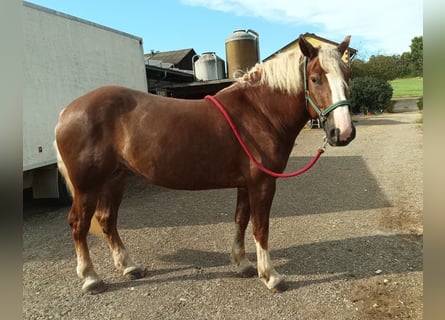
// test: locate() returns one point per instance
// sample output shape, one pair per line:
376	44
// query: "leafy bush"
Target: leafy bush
369	94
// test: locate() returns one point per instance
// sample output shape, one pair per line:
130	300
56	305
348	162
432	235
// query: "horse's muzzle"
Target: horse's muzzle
334	137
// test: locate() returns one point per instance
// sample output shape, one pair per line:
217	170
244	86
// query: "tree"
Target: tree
417	55
359	68
409	64
369	93
406	65
384	67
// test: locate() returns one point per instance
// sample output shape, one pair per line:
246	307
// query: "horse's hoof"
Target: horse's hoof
248	271
136	273
280	287
94	287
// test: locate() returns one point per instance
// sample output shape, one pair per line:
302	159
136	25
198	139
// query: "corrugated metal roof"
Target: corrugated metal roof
174	57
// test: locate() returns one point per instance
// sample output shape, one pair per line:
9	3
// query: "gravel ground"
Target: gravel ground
347	235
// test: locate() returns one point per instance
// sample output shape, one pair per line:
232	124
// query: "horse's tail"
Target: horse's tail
63	171
95	227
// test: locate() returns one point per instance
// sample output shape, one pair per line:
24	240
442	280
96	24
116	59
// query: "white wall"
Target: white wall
64	58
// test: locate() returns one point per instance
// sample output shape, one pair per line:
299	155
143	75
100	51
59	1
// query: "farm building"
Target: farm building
167	68
180	59
171	73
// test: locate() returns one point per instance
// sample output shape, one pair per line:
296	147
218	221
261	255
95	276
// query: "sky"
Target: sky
377	27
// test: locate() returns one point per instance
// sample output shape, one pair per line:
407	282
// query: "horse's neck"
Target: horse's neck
287	114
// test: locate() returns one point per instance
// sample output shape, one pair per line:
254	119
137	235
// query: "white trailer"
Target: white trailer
64	58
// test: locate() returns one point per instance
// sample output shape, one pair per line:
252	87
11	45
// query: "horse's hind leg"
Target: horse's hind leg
106	214
242	217
79	219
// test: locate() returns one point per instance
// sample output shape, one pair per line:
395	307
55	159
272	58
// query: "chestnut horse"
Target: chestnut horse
187	144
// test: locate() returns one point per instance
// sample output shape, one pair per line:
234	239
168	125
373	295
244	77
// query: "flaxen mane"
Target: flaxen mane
284	71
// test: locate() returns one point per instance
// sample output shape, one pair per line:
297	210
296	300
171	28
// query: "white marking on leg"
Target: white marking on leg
266	271
122	261
85	271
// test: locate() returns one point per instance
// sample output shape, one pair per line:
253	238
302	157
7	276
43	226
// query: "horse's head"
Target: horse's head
326	79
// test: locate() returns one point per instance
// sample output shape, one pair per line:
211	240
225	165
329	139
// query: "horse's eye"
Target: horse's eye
314	79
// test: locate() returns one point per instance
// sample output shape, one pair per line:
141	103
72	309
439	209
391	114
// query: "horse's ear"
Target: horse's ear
344	45
306	48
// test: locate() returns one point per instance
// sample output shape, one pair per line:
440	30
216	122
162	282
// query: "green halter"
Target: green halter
321	113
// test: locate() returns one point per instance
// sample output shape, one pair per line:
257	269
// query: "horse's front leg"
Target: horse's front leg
242	217
261	195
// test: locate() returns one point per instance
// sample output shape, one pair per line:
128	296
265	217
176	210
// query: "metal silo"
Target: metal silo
208	66
242	51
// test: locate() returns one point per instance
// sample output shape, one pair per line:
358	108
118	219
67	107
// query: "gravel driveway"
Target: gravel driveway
347	235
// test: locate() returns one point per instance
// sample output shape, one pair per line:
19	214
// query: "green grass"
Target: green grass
407	87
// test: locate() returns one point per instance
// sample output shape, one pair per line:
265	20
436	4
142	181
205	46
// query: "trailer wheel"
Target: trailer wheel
64	194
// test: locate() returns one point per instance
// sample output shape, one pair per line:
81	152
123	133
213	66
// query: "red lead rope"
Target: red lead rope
249	154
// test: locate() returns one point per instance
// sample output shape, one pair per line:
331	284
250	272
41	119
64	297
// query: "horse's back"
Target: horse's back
106	98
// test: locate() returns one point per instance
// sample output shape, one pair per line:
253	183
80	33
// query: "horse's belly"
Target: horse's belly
190	170
200	179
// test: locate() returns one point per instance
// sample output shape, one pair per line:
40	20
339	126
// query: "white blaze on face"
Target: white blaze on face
342	118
